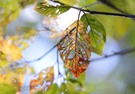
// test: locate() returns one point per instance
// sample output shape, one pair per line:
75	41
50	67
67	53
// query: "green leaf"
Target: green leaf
72	80
48	10
83	3
81	78
9	11
54	89
63	88
68	2
97	32
80	81
7	89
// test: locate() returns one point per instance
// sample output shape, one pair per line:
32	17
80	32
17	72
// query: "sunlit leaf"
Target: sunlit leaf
85	2
97	32
49	10
12	77
54	89
81	78
18	81
8	12
11	50
75	48
68	2
6	88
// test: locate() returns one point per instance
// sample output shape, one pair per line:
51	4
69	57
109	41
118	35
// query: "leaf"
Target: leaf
81	78
6	88
74	81
54	89
11	77
68	2
49	10
83	3
75	48
45	76
11	50
18	81
8	12
97	32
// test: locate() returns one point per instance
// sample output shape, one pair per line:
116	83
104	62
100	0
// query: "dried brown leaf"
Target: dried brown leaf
75	49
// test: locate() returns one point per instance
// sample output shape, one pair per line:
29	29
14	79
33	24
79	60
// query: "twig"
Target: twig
110	14
100	13
121	53
58	62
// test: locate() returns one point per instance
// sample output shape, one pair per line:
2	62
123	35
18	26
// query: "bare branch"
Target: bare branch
120	53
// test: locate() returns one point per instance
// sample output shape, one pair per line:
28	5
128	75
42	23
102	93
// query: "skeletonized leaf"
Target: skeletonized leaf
49	10
96	31
75	48
45	76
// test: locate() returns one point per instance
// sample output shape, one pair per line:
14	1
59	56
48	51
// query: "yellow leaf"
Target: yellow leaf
12	51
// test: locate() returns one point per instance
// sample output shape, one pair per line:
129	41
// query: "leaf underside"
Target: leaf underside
75	49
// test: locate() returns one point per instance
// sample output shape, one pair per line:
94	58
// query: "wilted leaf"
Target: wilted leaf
49	10
97	32
75	48
45	76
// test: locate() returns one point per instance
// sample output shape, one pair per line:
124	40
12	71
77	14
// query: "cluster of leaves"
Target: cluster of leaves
79	39
9	10
82	37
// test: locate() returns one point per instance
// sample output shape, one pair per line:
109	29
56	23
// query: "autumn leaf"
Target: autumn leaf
75	48
45	76
18	82
12	51
13	78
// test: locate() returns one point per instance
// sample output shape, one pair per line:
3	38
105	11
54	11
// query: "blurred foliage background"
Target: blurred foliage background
120	81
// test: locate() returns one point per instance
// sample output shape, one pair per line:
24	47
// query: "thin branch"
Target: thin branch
110	14
46	53
58	62
109	4
120	53
100	13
